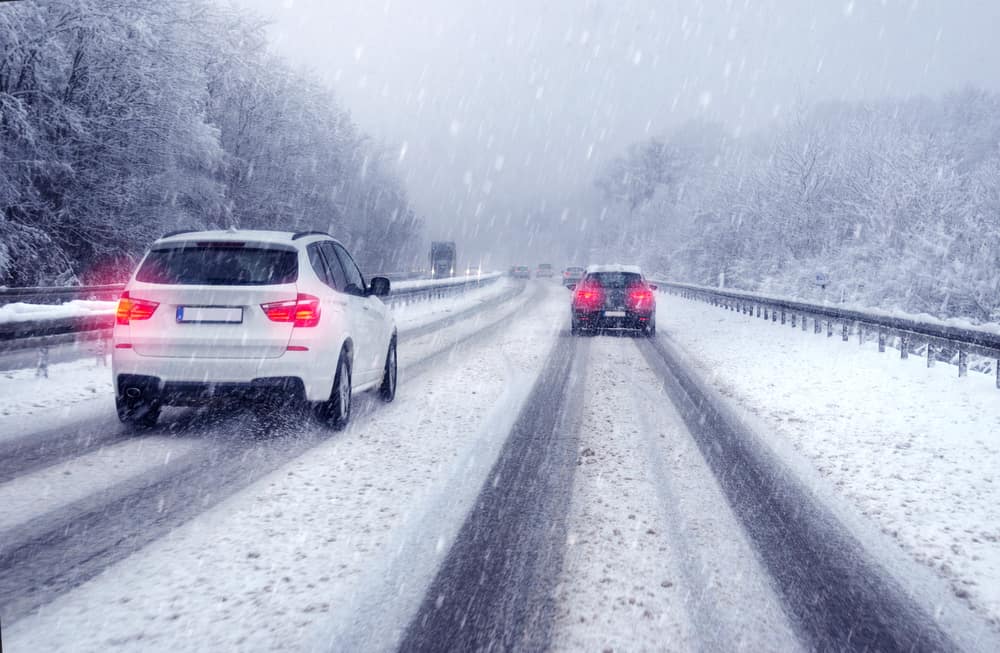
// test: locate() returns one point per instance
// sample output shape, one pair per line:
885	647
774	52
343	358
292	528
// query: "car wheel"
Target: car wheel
651	329
137	414
387	391
336	411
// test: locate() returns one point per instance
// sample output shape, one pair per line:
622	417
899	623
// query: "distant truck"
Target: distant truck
442	259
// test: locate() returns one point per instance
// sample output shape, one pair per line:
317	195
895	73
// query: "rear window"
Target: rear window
545	266
615	279
219	265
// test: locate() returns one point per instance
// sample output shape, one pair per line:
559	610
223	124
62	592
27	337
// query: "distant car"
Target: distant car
613	297
572	275
544	270
521	272
250	314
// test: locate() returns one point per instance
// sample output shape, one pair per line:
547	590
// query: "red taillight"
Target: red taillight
131	308
303	311
589	297
640	298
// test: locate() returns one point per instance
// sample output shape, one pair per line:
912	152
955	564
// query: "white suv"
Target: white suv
250	314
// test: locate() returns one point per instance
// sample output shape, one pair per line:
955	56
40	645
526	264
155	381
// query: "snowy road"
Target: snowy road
528	490
76	515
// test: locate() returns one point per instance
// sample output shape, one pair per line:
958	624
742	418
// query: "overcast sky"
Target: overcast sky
494	107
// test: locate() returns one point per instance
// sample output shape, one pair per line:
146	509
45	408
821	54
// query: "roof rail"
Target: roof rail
178	232
303	234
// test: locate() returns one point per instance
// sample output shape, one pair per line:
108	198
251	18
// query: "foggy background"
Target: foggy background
501	113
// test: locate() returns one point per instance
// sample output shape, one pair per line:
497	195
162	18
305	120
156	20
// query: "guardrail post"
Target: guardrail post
845	332
774	315
758	311
101	353
904	346
782	316
42	368
963	362
998	373
817	325
930	354
793	320
881	340
829	328
803	322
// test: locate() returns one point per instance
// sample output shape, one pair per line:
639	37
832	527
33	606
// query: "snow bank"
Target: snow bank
21	312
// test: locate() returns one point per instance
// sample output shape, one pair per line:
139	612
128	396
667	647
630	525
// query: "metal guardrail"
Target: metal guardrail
27	334
938	339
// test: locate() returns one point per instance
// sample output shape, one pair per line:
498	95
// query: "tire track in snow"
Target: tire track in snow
837	597
655	560
494	589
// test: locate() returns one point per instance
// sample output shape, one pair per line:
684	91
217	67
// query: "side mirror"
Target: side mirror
652	286
571	286
379	287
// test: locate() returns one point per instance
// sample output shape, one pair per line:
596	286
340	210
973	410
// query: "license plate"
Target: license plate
210	314
614	313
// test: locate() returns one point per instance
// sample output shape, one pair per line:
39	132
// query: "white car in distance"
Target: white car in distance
250	315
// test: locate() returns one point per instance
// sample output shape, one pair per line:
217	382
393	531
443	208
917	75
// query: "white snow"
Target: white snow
305	557
21	312
447	281
27	400
60	485
656	561
420	313
915	450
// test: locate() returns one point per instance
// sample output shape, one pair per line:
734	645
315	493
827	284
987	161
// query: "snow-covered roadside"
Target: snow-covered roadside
21	312
916	450
333	547
417	314
655	558
46	401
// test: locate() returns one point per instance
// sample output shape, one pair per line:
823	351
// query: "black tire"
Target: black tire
387	391
651	329
137	413
336	411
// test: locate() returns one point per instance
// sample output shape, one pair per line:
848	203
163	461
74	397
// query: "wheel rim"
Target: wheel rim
344	391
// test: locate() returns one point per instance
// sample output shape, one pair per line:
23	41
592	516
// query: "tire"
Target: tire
137	414
336	411
651	329
387	391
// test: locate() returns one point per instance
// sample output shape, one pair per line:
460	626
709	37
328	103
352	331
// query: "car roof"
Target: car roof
255	235
614	267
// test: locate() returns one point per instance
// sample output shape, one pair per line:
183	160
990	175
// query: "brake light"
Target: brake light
303	311
589	297
131	308
640	298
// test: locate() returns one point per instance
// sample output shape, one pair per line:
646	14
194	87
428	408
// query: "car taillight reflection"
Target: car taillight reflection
132	308
589	297
303	311
640	298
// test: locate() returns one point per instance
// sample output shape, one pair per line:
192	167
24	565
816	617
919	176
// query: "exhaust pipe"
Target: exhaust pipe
133	393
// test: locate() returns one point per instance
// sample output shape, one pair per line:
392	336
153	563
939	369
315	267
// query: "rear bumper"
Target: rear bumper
189	393
201	379
597	320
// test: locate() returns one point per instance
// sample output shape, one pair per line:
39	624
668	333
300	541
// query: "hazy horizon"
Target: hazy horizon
496	110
